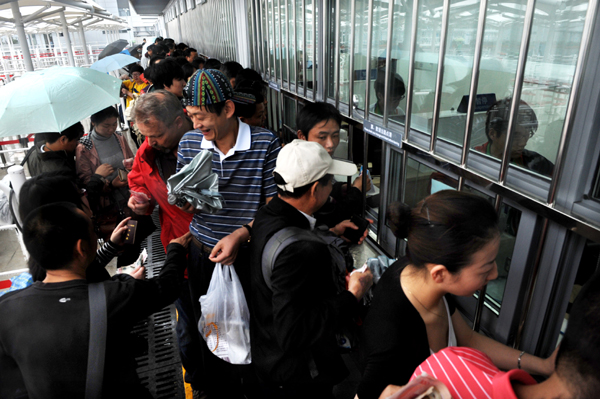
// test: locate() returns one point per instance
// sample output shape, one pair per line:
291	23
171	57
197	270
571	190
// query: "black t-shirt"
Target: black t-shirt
395	337
44	333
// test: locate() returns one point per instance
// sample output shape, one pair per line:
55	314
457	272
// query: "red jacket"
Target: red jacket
144	178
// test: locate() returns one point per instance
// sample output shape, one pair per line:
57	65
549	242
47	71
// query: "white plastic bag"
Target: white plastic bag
225	320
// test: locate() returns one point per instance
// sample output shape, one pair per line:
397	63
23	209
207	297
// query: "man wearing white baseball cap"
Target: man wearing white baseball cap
298	301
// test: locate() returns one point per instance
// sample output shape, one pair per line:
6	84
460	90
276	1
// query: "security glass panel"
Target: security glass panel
361	67
267	38
509	225
283	38
331	49
289	119
400	55
395	181
500	52
458	68
421	181
588	266
311	67
551	60
378	60
343	149
299	41
426	64
291	39
273	31
344	51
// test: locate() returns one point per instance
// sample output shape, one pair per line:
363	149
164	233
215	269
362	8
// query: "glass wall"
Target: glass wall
532	52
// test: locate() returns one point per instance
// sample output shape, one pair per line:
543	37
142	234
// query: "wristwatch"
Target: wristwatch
249	228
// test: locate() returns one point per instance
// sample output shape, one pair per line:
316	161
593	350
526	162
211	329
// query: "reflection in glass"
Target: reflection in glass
343	48
426	64
509	219
525	128
421	181
400	54
551	60
378	57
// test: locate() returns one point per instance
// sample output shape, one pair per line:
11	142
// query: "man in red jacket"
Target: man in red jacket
160	117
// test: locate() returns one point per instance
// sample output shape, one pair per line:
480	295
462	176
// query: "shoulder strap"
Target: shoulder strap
97	346
277	243
27	155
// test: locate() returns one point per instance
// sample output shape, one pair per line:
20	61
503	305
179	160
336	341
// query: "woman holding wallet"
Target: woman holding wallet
453	241
103	159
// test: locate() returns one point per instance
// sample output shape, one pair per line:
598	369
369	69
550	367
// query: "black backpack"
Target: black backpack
342	262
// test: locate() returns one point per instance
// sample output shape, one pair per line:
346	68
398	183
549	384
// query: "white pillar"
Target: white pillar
58	56
86	55
65	29
22	36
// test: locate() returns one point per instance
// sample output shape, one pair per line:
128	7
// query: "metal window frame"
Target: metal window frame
351	61
336	56
388	59
287	45
440	76
304	46
516	97
411	71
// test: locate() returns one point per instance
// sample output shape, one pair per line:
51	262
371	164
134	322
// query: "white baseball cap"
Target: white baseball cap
302	162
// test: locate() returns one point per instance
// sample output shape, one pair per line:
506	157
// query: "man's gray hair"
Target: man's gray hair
160	105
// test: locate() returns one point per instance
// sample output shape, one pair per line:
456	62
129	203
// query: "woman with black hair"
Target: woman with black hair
108	192
453	241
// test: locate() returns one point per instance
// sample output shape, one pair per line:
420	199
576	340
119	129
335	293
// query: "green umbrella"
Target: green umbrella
53	99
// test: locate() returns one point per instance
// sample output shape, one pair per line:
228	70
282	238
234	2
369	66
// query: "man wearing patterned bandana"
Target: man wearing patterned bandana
244	158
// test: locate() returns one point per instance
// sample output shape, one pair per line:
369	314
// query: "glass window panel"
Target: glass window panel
401	37
343	149
283	39
551	61
311	67
289	109
509	219
274	15
421	180
292	37
266	38
588	265
300	41
426	64
361	33
343	49
331	49
378	57
500	53
458	68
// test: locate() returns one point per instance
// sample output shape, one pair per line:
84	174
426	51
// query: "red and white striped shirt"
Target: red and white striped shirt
470	374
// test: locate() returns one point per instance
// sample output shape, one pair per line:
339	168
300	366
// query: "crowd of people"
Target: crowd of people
307	306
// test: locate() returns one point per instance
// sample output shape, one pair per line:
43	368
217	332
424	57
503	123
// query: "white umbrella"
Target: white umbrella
53	99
